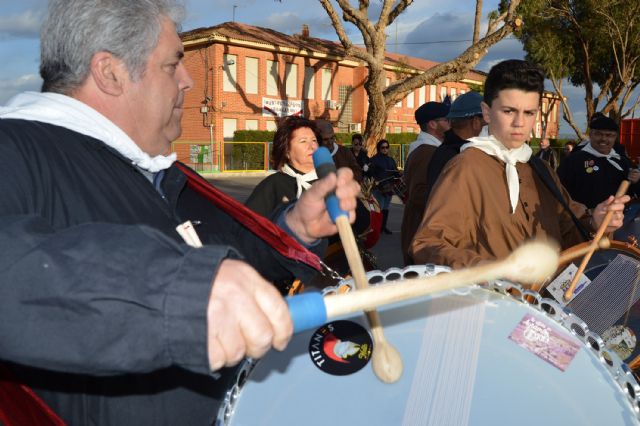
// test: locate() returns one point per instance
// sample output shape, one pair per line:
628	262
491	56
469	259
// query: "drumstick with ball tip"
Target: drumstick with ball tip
528	264
386	360
622	189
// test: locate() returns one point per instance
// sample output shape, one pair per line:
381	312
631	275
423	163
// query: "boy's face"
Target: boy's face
511	116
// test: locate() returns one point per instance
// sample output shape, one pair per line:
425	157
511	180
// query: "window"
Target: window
410	100
462	91
443	93
387	81
309	83
229	73
251	124
454	93
326	84
251	75
229	126
422	95
411	130
397	129
291	80
432	92
272	78
272	126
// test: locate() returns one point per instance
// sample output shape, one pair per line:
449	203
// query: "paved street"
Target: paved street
387	250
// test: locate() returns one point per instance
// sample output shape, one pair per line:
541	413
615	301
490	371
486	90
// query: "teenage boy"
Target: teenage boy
491	198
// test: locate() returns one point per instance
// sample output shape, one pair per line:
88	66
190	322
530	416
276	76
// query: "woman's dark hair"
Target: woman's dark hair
513	74
380	143
282	138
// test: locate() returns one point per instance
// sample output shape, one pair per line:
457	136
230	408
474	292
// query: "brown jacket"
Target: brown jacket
415	177
469	218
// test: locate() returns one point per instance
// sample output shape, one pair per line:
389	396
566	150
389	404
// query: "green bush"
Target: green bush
253	136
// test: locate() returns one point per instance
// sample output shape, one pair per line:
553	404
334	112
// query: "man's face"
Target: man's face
544	143
328	135
154	101
438	127
602	140
511	116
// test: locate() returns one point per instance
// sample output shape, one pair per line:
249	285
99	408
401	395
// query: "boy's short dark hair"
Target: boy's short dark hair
513	74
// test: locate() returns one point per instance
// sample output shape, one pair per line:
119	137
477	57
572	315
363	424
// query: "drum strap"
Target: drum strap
543	173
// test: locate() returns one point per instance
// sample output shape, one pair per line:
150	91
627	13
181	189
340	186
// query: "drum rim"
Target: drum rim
620	372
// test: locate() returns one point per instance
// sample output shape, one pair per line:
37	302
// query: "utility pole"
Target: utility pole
234	12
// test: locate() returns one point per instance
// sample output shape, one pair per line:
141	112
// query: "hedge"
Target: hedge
342	138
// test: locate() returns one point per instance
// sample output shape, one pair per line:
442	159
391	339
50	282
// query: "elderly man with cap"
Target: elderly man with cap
594	172
466	121
433	122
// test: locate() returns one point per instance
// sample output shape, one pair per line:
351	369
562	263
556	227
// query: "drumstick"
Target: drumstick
529	263
386	360
603	244
622	189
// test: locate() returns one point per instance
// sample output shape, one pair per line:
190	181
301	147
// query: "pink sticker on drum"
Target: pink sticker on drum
545	342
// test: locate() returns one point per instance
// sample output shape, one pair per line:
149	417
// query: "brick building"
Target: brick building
245	77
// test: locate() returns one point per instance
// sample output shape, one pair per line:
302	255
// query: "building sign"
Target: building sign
282	107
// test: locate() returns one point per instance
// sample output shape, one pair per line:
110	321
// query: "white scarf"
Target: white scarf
610	157
492	146
67	112
335	149
424	138
302	181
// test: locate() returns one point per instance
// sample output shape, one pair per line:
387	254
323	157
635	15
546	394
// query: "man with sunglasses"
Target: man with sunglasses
433	122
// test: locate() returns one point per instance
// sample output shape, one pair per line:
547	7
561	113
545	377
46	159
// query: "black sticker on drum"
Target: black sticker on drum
340	348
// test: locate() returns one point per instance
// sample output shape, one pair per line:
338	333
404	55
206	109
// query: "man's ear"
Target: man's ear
485	112
109	73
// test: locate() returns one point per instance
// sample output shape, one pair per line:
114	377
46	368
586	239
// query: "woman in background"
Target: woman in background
383	168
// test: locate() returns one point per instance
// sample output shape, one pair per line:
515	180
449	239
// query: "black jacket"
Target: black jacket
450	148
102	306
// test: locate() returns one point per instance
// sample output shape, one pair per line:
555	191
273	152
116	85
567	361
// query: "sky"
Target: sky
437	30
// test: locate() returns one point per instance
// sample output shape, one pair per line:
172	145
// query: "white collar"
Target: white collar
424	138
610	157
492	146
303	181
70	113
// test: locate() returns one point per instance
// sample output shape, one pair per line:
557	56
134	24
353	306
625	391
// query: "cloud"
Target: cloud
24	25
11	87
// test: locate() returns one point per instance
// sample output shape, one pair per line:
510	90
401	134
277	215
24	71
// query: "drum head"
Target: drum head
468	360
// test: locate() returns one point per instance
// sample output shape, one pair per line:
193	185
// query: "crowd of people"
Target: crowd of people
111	316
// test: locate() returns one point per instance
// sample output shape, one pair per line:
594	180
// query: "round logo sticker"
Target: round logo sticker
340	348
621	340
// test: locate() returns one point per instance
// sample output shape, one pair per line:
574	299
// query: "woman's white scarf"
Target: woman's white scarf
492	146
303	181
67	112
610	157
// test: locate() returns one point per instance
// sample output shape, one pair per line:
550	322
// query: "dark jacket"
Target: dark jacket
591	180
102	306
450	148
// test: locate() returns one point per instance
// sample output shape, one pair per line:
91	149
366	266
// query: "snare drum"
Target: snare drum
482	356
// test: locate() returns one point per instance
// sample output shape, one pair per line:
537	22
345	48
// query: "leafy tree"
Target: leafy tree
592	43
381	97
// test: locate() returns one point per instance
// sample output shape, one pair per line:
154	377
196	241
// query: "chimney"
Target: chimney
305	31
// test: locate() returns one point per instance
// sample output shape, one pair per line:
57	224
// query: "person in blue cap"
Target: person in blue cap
466	121
433	122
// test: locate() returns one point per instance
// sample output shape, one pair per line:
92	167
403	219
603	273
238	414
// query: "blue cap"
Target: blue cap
466	105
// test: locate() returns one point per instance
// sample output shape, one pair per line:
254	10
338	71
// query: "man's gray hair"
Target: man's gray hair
75	30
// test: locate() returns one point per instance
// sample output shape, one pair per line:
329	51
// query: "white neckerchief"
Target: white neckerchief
302	180
424	138
67	112
335	149
492	146
610	157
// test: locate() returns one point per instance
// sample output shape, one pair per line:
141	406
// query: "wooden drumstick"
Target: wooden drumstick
622	189
386	360
603	244
529	263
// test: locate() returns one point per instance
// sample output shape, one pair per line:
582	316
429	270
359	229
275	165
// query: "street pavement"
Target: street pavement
387	250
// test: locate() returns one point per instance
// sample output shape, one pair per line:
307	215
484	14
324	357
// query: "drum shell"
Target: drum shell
502	384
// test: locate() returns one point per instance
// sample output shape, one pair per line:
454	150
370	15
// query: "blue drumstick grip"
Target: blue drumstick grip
307	311
324	165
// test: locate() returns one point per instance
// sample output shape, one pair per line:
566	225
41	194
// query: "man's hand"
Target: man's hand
309	218
614	204
246	316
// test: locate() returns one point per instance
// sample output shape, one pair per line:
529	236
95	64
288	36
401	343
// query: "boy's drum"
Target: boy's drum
482	356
